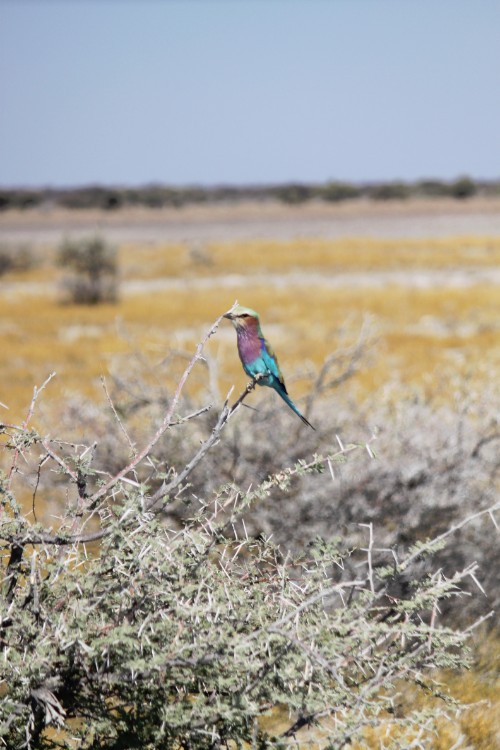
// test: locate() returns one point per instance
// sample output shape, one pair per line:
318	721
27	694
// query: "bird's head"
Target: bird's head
243	318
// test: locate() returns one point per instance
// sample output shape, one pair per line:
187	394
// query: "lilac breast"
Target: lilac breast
249	345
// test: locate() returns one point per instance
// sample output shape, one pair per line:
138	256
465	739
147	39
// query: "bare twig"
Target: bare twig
62	538
369	551
38	473
351	356
62	463
165	425
117	417
36	393
451	530
168	488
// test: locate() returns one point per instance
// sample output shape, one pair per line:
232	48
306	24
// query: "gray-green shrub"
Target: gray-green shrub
168	635
94	270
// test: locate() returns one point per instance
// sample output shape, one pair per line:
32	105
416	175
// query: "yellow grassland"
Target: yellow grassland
346	254
424	335
181	260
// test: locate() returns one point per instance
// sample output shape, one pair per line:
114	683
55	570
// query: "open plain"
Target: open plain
423	275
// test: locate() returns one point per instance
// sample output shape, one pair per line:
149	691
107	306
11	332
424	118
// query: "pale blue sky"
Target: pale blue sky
248	91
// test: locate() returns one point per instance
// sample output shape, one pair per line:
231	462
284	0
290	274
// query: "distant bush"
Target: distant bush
20	199
94	196
490	188
432	188
159	196
153	196
95	270
6	260
390	191
5	200
462	188
338	191
293	193
15	258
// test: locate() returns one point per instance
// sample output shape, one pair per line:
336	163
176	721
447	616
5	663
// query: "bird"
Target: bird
257	355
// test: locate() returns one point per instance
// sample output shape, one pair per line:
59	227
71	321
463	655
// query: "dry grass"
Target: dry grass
267	256
215	259
364	254
424	336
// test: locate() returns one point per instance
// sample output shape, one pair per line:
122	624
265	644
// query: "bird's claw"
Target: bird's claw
253	382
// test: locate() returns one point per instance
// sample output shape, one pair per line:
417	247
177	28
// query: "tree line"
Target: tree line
161	196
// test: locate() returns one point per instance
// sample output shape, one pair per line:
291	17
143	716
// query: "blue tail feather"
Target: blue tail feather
286	398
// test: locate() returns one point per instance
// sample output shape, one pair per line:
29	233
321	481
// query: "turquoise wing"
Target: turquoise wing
271	365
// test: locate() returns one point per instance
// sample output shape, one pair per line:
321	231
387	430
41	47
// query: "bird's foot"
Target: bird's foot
251	385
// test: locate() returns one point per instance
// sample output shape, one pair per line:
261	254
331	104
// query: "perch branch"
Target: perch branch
167	420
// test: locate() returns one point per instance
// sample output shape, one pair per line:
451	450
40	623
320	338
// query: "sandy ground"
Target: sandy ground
253	220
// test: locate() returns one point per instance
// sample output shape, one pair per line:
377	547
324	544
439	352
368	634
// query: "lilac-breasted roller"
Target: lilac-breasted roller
257	355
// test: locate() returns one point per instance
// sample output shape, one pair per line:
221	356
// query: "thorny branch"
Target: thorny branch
156	502
24	426
165	425
152	503
17	548
358	668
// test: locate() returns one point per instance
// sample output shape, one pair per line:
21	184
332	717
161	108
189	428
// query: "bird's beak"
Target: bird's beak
228	315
